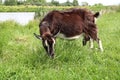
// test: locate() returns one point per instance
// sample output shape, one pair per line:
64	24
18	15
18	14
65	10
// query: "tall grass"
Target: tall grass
22	56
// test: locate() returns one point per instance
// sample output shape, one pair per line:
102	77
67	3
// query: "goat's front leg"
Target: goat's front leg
85	39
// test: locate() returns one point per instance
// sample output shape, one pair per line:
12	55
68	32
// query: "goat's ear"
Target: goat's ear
37	36
96	14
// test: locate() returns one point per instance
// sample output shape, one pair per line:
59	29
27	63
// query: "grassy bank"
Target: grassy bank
30	8
22	56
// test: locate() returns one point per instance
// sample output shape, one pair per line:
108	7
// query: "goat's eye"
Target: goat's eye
49	42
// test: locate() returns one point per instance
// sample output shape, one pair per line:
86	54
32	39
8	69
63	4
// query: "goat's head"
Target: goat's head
48	43
48	40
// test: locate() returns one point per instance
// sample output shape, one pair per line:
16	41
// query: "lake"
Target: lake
22	18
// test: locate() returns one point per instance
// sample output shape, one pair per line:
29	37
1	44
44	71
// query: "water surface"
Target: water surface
22	18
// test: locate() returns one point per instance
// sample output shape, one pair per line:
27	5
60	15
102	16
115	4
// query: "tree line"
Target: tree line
39	2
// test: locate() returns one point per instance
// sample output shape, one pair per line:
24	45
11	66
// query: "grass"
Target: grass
22	56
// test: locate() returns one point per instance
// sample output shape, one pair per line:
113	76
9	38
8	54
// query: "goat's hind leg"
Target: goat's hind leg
95	38
99	44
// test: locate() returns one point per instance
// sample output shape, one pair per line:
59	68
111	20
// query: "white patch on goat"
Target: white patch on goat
95	20
53	43
46	43
53	40
45	23
64	37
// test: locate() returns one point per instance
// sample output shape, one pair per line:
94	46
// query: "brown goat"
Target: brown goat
68	24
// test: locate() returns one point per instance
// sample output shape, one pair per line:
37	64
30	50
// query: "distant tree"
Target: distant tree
0	2
84	4
75	3
36	2
68	3
42	2
99	4
10	2
21	2
56	3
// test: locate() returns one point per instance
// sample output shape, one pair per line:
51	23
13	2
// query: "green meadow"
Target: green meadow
22	56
